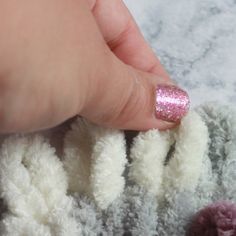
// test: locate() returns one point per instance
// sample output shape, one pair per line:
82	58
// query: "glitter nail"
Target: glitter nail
172	103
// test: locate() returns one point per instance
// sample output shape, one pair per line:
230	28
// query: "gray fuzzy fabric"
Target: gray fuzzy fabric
138	213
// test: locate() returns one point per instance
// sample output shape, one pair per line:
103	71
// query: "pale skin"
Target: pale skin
60	58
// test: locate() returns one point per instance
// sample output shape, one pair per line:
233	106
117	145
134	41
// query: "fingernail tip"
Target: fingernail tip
172	103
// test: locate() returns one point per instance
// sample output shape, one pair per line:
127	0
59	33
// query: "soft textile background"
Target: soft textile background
196	42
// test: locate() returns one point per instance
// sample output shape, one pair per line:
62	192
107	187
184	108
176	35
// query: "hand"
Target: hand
62	58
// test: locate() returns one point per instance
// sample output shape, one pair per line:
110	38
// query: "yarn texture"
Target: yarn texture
87	180
216	219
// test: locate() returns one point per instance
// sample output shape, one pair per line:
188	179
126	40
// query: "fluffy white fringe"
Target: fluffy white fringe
148	155
95	159
183	170
33	185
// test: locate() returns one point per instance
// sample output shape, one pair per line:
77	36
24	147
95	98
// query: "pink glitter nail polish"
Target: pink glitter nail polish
172	103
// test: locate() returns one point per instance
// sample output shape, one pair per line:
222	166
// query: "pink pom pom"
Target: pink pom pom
217	219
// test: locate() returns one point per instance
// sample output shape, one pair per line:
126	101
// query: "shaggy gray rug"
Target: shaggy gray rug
106	182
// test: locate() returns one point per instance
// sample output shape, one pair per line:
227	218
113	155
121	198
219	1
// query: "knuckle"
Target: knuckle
9	117
134	105
4	90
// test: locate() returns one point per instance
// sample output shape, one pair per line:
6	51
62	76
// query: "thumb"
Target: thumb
125	98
